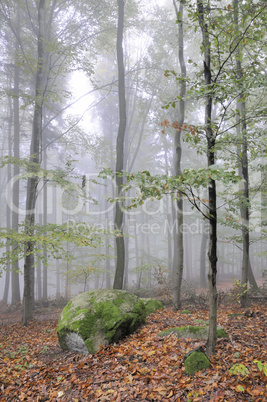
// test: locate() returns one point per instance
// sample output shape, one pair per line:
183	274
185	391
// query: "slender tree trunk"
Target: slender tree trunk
32	182
107	251
203	253
174	235
177	165
211	140
16	188
126	268
39	270
45	223
188	256
8	212
243	157
118	222
137	259
169	219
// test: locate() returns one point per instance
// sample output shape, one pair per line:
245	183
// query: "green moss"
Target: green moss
221	333
90	346
195	330
192	331
234	314
195	362
101	316
174	330
151	305
185	312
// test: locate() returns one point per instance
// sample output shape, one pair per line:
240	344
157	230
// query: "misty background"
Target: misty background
80	120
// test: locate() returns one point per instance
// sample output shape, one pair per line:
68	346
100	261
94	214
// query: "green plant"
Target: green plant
23	350
44	350
238	290
201	322
261	366
192	394
239	368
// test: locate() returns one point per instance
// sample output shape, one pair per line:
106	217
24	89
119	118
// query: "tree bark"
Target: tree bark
32	182
118	221
243	158
45	258
203	249
178	274
16	188
8	212
211	140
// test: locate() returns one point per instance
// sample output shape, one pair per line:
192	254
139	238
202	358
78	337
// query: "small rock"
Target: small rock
249	313
196	360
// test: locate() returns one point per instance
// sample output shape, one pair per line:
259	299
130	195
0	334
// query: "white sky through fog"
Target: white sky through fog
79	87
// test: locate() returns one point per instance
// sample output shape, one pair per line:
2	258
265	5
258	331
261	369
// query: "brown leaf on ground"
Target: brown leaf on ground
142	367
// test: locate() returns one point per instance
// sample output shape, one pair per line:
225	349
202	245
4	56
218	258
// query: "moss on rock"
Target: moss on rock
192	332
197	360
221	333
151	305
98	318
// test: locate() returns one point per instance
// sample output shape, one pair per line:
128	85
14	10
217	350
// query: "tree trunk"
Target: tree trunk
8	212
211	140
169	219
203	251
243	158
33	180
107	251
45	223
16	188
178	275
118	222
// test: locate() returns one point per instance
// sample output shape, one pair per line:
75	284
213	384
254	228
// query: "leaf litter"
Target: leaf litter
142	367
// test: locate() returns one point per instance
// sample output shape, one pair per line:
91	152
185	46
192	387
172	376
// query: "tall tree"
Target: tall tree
35	158
16	153
118	221
211	141
178	272
242	136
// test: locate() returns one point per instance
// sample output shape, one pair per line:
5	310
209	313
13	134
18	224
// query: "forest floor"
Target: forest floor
142	367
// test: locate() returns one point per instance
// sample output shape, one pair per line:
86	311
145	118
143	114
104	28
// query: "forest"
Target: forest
133	158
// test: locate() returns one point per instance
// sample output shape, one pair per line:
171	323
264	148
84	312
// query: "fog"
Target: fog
78	105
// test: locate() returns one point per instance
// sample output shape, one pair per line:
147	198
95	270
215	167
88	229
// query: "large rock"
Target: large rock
99	317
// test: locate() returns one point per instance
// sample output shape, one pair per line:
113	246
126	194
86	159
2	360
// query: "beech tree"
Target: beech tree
118	222
35	158
211	142
178	270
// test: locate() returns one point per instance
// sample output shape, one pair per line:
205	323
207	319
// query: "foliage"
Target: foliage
81	272
261	366
155	187
239	368
53	236
237	291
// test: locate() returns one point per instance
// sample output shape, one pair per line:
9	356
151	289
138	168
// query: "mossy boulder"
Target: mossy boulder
152	305
192	332
196	360
99	317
